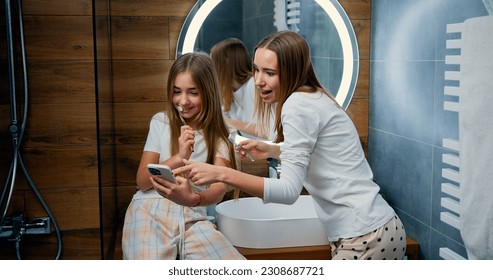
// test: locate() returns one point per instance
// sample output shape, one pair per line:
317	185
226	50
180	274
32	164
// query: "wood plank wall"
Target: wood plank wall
75	166
60	144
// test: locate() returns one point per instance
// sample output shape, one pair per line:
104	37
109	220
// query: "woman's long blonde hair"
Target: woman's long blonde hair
210	118
233	64
295	72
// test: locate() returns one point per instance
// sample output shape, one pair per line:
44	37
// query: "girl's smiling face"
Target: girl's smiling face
267	75
186	96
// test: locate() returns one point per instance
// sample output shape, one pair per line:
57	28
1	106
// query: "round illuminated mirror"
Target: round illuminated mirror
323	23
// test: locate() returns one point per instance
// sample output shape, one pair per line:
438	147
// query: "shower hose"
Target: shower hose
17	131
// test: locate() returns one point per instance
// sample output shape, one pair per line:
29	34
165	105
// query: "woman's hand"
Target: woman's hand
179	193
200	173
258	149
186	141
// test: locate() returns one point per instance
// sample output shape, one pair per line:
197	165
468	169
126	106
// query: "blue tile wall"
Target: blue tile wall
407	121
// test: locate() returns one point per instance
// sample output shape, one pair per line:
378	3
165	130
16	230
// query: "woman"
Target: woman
162	226
320	150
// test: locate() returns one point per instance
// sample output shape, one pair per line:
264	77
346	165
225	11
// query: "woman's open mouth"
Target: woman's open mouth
265	93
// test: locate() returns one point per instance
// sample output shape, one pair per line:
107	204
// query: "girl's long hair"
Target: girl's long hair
210	118
233	64
295	72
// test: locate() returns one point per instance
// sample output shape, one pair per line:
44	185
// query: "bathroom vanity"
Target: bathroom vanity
321	252
279	232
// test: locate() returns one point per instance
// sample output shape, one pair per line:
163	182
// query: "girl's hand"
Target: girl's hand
186	141
179	193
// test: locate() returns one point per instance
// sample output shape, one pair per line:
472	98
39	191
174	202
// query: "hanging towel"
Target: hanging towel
476	137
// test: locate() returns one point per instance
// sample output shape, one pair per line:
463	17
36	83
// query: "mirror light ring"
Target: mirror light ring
343	30
196	24
347	49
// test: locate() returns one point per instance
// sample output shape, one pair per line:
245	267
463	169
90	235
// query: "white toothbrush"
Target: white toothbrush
180	109
232	138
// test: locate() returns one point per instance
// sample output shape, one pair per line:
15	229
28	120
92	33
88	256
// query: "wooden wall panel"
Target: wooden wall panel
140	38
57	7
5	138
151	8
61	124
60	167
59	147
58	37
132	121
106	125
128	158
363	85
175	24
73	208
140	80
357	9
107	164
359	12
362	29
61	81
144	37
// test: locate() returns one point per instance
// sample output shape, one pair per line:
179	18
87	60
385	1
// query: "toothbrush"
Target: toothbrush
180	109
233	140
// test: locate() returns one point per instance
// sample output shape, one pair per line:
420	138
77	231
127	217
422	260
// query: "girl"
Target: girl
170	226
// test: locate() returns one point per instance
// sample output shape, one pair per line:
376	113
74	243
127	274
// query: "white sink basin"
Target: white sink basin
249	223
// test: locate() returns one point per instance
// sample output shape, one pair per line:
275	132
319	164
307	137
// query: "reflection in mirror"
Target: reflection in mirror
323	23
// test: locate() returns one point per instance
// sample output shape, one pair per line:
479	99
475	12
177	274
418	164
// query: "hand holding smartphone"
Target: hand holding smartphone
162	171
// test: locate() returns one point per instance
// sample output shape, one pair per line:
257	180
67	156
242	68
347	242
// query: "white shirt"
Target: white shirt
243	108
158	141
244	102
323	153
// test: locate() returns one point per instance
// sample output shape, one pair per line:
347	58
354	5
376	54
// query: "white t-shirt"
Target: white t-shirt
244	103
322	152
158	141
243	108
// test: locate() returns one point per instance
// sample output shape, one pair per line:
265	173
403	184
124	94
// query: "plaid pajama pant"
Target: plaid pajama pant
158	229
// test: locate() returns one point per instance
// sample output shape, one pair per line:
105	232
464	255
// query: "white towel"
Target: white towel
476	137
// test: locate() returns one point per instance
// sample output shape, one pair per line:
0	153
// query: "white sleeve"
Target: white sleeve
154	136
285	190
300	135
249	102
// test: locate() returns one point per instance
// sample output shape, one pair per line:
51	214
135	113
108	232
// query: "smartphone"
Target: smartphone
162	171
236	139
